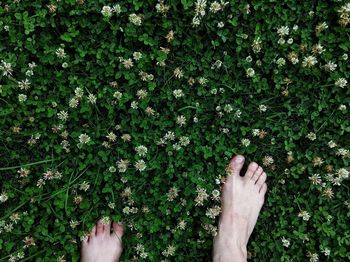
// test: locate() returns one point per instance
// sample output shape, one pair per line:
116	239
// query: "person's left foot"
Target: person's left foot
102	245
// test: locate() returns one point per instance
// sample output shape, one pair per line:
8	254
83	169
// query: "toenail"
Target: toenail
239	159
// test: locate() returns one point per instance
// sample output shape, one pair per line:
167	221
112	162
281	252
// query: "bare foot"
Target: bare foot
242	199
102	245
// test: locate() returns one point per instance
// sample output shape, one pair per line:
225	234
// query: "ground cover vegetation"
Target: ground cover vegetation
131	110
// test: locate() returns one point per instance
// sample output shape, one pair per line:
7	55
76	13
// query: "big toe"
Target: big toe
236	165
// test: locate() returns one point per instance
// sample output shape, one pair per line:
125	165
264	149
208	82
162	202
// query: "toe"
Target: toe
118	230
263	189
261	180
251	170
85	240
257	174
92	232
107	227
236	165
99	228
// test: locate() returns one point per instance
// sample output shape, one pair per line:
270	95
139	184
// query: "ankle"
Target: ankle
231	254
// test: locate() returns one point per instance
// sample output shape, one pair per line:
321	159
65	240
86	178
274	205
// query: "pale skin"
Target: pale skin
241	201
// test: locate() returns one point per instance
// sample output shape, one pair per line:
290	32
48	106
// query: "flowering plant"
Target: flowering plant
131	112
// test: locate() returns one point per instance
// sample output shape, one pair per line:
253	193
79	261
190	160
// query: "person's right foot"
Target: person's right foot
242	199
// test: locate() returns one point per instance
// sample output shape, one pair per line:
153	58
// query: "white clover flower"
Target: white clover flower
84	139
228	108
311	136
137	55
73	103
281	61
22	98
342	107
141	150
326	251
122	165
178	93
135	19
3	197
309	61
117	95
262	108
250	72
330	66
341	82
345	56
256	132
79	92
6	68
181	120
313	256
304	214
290	41
140	165
238	113
116	9
92	99
331	144
134	105
268	160
24	84
283	30
65	65
62	115
107	11
315	179
184	140
245	142
281	41
60	53
285	242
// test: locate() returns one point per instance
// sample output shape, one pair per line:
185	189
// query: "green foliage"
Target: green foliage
242	94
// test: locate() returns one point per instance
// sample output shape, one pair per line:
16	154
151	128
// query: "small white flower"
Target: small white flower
250	72
62	115
311	136
262	108
141	150
290	41
140	165
135	19
181	120
84	139
92	99
245	142
341	82
3	197
285	242
342	107
283	30
304	214
106	11
134	105
178	93
281	61
331	144
60	53
22	98
309	61
281	41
